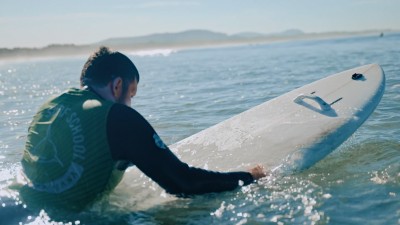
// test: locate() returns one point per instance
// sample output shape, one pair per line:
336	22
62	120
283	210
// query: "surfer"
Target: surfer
80	143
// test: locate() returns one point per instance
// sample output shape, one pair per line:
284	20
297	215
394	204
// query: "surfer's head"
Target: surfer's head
112	70
105	65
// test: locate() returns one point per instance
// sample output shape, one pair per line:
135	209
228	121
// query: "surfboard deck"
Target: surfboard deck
296	129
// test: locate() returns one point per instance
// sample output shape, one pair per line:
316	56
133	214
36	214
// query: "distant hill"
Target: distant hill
190	36
178	40
248	35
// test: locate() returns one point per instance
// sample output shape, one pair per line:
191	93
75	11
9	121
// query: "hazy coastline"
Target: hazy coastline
176	41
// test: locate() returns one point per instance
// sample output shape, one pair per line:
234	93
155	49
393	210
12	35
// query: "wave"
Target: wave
153	52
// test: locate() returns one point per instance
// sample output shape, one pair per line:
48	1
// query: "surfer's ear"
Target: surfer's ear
116	87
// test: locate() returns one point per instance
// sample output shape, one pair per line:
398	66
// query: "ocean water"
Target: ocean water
183	92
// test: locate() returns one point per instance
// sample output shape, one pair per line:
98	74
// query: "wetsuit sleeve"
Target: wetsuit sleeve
132	138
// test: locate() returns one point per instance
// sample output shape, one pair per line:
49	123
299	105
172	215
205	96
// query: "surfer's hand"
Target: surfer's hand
258	172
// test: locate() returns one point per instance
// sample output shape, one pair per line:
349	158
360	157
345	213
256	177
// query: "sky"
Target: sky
29	23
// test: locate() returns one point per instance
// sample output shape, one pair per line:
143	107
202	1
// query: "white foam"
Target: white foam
154	52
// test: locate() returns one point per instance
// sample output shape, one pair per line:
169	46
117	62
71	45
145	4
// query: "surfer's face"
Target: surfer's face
127	95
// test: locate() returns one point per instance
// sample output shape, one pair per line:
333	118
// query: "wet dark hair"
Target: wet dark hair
105	65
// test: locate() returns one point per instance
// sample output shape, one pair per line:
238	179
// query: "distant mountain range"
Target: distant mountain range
191	37
178	40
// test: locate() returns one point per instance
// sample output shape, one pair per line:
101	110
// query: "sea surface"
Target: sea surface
182	92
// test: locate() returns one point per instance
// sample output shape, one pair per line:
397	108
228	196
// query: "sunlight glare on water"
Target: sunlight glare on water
183	92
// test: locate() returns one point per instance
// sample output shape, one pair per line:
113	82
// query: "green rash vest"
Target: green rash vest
67	160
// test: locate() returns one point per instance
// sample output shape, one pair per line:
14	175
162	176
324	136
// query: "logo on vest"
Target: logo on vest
48	150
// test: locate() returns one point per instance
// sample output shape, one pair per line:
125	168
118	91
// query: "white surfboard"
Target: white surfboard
298	128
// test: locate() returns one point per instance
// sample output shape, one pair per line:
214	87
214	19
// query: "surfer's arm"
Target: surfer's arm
132	138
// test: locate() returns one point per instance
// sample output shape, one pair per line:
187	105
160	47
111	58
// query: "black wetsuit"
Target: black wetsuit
130	137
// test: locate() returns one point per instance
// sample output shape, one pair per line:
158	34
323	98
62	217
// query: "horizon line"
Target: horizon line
207	30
